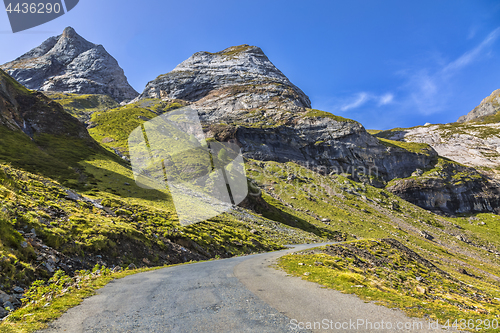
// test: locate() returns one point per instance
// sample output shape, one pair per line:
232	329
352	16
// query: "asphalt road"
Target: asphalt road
239	294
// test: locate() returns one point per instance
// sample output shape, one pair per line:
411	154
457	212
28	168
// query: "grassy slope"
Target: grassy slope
83	106
113	127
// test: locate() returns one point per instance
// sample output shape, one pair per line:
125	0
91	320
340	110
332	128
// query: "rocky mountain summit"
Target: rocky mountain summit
69	63
237	78
242	97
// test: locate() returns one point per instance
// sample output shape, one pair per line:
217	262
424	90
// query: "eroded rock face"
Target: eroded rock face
331	146
473	142
222	83
475	145
69	63
489	106
451	190
34	113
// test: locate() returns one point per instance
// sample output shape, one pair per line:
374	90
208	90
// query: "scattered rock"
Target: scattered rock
18	290
394	205
421	290
426	235
417	173
132	266
49	267
8	306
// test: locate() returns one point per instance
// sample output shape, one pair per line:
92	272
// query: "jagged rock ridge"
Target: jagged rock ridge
69	63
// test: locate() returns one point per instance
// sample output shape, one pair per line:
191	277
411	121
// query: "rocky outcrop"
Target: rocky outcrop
223	84
69	63
450	188
33	113
489	106
475	145
473	141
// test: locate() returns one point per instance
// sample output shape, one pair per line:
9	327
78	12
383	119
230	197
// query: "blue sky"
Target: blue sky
384	63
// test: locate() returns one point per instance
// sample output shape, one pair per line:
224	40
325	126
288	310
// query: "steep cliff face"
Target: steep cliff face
332	146
449	188
69	63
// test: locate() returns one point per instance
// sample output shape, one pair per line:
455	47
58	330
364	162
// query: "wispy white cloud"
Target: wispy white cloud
471	55
363	98
386	99
429	90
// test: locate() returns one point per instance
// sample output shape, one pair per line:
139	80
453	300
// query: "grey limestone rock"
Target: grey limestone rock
69	63
239	77
489	106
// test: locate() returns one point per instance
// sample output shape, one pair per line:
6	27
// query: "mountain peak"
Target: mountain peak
236	78
69	31
70	63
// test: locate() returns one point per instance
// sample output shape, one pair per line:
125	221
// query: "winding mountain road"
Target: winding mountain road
241	294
